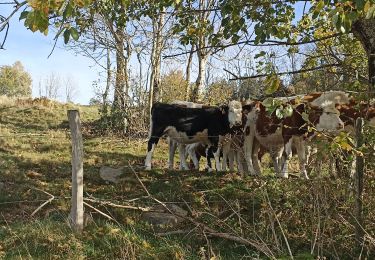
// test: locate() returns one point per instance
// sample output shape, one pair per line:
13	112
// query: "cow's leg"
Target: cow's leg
172	145
302	158
275	161
216	151
214	140
239	158
226	154
183	164
285	157
209	155
231	159
190	149
152	142
254	159
249	140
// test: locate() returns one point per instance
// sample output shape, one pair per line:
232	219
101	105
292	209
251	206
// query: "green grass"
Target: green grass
35	158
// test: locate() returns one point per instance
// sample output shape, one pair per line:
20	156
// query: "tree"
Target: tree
50	87
70	89
219	92
15	81
173	86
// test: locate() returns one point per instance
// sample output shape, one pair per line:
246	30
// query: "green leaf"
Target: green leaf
268	102
274	86
23	15
360	4
319	6
288	111
74	33
370	13
68	11
342	29
305	116
260	54
279	113
66	36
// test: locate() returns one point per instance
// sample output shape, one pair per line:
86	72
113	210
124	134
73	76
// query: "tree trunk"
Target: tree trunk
108	85
118	99
188	72
199	83
157	46
126	71
358	180
364	30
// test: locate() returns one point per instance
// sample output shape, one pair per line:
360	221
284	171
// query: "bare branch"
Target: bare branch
252	43
286	72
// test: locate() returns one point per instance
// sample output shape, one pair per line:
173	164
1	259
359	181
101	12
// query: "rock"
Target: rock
110	174
160	216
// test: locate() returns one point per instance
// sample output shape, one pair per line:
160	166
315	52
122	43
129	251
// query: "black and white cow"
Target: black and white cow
191	125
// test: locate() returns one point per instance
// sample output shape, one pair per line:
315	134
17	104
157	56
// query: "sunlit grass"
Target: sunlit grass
35	158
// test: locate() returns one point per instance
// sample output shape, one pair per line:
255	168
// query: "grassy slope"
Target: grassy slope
35	157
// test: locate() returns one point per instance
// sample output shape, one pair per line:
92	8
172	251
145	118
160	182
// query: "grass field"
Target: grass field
229	217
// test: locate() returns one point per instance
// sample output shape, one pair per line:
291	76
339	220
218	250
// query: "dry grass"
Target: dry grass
313	218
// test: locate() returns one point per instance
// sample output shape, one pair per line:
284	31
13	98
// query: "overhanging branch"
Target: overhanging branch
252	43
283	73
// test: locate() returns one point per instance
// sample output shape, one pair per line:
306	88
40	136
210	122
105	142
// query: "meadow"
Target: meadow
228	216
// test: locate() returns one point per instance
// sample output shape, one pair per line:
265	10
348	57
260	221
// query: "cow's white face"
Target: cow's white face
234	113
330	120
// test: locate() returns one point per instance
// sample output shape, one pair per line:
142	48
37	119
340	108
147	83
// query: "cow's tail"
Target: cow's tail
151	119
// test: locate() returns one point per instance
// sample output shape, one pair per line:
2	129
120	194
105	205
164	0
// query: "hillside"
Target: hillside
227	217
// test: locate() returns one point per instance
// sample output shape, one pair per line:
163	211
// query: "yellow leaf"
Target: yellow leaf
367	6
114	231
345	146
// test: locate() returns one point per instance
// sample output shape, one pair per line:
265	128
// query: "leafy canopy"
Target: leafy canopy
15	81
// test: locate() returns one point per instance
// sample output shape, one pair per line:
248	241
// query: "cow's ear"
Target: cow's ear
222	110
257	106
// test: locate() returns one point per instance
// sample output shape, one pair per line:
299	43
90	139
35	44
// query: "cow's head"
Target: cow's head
234	113
370	113
329	120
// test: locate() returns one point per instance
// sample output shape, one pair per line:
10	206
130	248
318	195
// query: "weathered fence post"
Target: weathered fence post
358	182
76	213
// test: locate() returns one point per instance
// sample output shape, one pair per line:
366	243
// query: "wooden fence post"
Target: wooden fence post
358	182
76	213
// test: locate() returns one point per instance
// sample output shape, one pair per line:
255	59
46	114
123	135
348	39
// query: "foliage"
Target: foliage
15	81
219	92
314	216
351	74
173	86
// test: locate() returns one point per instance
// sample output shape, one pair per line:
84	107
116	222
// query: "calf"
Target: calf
191	125
278	134
231	146
173	144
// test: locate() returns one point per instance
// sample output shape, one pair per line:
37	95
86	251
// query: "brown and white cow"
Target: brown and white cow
278	135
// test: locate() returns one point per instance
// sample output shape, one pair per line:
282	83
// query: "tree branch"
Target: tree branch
286	72
252	43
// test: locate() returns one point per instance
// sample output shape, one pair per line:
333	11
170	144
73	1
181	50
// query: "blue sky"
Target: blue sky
32	49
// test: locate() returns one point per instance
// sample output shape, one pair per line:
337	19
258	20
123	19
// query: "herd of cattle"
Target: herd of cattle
241	132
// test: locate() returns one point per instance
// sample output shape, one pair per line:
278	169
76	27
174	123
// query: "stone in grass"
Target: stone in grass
160	216
111	174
